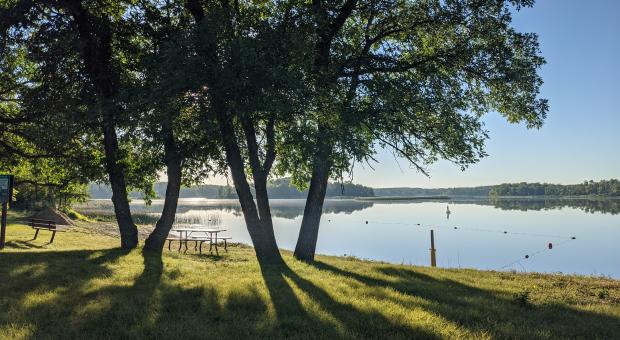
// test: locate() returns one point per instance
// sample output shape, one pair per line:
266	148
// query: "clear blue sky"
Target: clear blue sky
581	137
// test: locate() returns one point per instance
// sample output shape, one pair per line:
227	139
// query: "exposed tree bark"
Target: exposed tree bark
96	49
309	232
157	238
260	227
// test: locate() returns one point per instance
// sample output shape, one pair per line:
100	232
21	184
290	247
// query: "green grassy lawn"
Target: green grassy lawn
82	287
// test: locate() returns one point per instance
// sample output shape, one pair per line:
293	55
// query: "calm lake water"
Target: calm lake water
478	233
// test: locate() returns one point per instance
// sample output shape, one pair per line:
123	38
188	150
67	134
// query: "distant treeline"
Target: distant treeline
279	188
588	188
471	191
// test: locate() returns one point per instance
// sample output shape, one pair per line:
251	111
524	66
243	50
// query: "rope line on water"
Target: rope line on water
565	239
506	232
528	256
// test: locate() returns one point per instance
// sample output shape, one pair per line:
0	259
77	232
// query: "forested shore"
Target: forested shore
283	188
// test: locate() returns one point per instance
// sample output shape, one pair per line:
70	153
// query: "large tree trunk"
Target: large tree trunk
128	230
309	232
96	51
262	200
260	228
321	166
157	238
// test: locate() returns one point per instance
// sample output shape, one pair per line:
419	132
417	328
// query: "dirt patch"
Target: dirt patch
51	214
111	229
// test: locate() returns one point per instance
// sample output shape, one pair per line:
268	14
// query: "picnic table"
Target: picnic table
186	234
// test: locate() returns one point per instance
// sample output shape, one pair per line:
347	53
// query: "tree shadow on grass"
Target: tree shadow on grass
19	244
94	295
342	320
33	284
102	294
486	311
156	306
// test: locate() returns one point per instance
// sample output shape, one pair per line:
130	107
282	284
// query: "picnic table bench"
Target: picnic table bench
212	238
48	225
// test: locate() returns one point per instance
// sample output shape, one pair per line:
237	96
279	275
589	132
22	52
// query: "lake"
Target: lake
479	233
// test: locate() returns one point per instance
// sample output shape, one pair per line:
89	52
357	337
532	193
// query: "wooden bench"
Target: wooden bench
39	225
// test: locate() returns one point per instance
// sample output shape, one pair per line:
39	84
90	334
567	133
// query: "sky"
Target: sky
581	137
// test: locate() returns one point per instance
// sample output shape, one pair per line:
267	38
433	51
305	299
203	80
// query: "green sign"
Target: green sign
6	188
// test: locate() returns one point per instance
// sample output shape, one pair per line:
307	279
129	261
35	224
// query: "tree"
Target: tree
79	47
168	109
45	182
39	143
413	77
244	57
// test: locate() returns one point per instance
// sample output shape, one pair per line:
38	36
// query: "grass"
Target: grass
83	287
74	215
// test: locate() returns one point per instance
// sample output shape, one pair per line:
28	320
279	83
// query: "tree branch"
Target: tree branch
21	153
44	184
270	155
343	15
195	8
250	138
16	14
15	120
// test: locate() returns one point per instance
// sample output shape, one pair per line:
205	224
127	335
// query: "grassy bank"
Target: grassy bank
82	287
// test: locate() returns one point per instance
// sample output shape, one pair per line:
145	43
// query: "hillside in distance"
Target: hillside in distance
282	188
279	188
405	191
606	188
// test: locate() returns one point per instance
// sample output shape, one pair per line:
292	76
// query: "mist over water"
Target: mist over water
477	233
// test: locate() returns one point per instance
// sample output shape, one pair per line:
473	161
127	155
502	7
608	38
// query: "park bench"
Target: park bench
39	225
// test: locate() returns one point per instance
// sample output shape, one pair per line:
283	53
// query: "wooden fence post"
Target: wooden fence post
3	225
433	259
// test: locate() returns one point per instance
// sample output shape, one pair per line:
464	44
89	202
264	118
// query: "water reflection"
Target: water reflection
588	205
282	208
293	208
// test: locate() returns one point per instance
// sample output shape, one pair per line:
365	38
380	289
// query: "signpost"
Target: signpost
6	195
